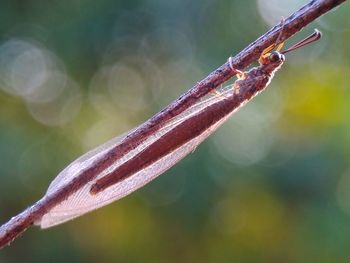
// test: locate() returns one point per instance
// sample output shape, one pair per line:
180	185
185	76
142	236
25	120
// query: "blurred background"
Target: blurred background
271	185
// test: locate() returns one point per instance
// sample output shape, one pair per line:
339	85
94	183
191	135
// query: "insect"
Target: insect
115	170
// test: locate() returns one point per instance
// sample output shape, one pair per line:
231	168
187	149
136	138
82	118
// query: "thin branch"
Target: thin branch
292	24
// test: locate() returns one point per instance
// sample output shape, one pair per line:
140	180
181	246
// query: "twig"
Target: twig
251	53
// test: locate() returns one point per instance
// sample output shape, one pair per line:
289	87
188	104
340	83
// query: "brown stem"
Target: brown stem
251	53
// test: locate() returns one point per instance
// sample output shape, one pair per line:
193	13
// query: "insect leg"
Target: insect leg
277	45
240	74
215	92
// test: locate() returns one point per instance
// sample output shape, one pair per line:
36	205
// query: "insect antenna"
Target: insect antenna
310	39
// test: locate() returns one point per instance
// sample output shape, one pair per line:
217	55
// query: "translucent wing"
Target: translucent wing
82	201
86	160
83	162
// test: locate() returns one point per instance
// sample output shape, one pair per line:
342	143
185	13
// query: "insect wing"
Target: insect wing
82	201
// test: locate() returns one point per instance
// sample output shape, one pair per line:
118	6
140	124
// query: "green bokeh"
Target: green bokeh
272	185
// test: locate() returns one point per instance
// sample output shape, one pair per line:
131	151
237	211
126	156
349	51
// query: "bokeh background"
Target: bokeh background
271	185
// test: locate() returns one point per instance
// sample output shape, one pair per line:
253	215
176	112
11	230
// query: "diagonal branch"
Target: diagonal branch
293	24
251	53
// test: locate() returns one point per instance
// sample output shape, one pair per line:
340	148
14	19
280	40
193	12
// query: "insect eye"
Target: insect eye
275	56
